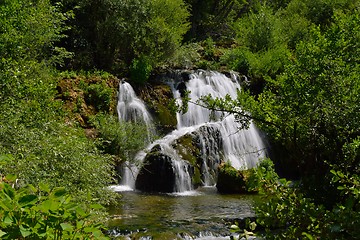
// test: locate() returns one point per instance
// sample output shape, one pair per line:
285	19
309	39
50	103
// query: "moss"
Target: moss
158	97
231	180
196	178
166	117
187	149
84	95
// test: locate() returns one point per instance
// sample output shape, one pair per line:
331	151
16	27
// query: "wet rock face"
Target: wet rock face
157	173
201	150
209	140
158	97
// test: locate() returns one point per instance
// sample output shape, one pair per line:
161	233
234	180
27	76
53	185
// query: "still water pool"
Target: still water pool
200	214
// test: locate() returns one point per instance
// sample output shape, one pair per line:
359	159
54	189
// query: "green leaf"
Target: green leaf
9	191
6	204
59	192
11	177
5	158
66	226
2	233
90	229
308	236
8	220
80	224
44	187
28	200
96	206
49	205
252	226
81	212
234	228
24	231
97	233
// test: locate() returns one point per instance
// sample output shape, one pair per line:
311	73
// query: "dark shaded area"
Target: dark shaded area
157	174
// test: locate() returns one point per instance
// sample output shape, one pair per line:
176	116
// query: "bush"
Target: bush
122	139
58	155
99	95
140	70
286	212
28	212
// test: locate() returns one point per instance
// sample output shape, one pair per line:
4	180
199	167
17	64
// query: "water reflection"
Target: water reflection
202	215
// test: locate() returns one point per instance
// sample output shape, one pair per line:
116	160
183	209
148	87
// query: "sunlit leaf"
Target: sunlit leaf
66	226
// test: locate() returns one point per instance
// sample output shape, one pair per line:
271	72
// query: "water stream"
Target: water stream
242	149
187	213
201	214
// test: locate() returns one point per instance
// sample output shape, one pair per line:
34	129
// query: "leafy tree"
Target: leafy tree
123	139
115	33
29	29
314	102
311	109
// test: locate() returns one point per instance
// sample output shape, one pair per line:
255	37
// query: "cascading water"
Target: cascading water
132	108
242	148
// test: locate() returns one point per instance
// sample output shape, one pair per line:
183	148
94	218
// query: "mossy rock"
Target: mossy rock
85	96
231	180
157	173
159	97
188	151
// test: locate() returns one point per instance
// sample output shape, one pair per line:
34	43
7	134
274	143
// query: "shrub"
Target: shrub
58	155
123	139
286	212
99	95
44	213
140	70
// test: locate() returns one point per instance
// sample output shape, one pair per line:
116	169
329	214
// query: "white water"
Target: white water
242	149
131	108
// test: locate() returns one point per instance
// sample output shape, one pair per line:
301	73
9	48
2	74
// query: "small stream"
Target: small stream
200	214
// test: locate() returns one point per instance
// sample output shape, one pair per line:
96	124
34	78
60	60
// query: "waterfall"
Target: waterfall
242	148
132	108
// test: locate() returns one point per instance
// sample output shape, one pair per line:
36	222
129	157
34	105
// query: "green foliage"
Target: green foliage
140	70
186	56
212	18
28	30
58	155
287	213
99	95
255	30
122	139
45	213
317	94
245	181
114	34
237	59
27	90
244	233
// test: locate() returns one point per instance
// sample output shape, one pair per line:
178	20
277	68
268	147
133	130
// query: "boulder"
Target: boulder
157	173
231	180
200	149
